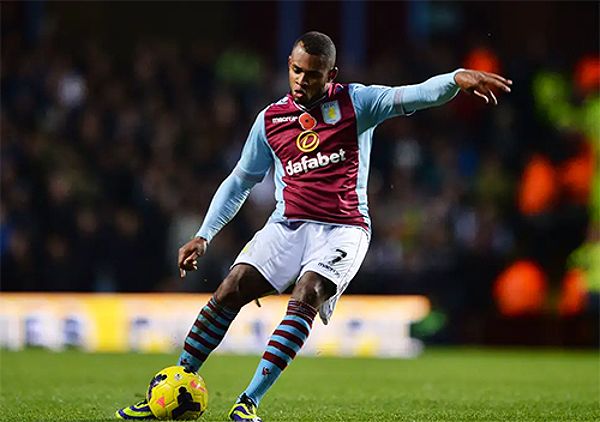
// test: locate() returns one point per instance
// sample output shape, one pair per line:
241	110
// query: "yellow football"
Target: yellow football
177	393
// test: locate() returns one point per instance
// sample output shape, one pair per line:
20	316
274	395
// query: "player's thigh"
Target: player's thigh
339	257
243	284
337	260
275	251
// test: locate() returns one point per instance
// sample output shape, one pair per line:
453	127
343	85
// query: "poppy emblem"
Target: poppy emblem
307	121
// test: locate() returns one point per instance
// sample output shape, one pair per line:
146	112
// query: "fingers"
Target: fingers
493	80
488	97
504	87
484	85
498	81
185	255
190	263
188	256
181	257
488	82
498	78
479	94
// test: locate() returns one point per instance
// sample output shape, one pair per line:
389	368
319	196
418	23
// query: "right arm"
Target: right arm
254	163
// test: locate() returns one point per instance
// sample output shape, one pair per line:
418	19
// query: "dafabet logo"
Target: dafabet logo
307	141
305	164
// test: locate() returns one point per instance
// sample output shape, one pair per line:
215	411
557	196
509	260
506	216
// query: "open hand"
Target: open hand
189	254
482	84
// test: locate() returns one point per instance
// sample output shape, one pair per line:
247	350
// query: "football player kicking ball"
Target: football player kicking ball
318	140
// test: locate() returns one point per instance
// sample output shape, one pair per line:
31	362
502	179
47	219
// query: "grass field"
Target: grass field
441	385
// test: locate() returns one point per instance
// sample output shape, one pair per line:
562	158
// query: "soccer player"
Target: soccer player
318	140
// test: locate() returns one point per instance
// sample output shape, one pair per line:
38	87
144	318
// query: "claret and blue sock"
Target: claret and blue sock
206	334
287	339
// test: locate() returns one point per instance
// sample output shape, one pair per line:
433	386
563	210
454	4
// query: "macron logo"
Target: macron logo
284	119
321	160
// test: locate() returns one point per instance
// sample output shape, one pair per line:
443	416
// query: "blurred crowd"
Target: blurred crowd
108	164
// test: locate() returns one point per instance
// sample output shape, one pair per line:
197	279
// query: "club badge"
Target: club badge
331	112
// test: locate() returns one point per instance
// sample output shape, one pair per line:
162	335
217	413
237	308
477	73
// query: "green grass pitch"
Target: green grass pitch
441	385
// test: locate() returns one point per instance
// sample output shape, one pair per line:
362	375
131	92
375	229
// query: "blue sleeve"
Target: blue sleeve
256	159
373	104
433	92
227	201
254	163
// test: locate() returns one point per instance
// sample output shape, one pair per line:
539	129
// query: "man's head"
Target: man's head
311	66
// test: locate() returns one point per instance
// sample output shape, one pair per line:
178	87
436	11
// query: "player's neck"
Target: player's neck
316	101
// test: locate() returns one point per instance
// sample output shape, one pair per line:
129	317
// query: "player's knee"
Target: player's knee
232	292
228	293
314	290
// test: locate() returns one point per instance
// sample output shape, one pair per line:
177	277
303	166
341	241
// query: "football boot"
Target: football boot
244	410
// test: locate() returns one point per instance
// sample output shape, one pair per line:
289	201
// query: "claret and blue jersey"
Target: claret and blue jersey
320	154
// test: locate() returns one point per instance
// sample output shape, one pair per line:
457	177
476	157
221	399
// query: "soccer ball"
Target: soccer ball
177	393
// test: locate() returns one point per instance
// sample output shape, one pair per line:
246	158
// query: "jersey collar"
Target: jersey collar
328	93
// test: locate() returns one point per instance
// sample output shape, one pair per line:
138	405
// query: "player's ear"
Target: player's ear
333	73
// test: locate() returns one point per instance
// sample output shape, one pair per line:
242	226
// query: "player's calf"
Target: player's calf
285	342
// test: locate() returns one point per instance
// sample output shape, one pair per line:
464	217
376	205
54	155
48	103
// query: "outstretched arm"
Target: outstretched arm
442	88
375	103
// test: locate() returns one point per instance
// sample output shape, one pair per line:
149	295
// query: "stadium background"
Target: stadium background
119	120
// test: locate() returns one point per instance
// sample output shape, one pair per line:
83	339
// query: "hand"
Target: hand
482	84
189	254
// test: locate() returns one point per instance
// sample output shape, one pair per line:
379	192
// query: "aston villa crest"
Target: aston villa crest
331	112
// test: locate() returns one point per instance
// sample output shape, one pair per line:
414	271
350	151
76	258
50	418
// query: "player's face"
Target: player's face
309	75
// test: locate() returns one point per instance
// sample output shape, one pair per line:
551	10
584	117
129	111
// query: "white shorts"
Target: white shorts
283	252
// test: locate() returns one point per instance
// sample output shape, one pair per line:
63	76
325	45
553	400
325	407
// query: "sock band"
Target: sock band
297	325
288	351
295	307
288	336
276	360
212	320
205	335
201	340
221	311
194	352
203	328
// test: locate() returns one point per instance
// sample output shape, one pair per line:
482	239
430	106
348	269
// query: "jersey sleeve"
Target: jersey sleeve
253	165
256	158
226	202
373	104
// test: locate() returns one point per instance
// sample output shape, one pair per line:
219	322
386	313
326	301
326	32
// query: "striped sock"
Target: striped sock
285	342
206	334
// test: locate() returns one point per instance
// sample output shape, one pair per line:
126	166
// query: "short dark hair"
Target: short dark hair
317	44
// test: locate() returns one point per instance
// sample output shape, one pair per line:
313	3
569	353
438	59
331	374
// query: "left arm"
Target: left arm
442	88
376	103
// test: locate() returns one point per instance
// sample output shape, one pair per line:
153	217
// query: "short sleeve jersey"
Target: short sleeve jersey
320	154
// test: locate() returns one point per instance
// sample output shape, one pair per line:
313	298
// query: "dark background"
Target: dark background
120	119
